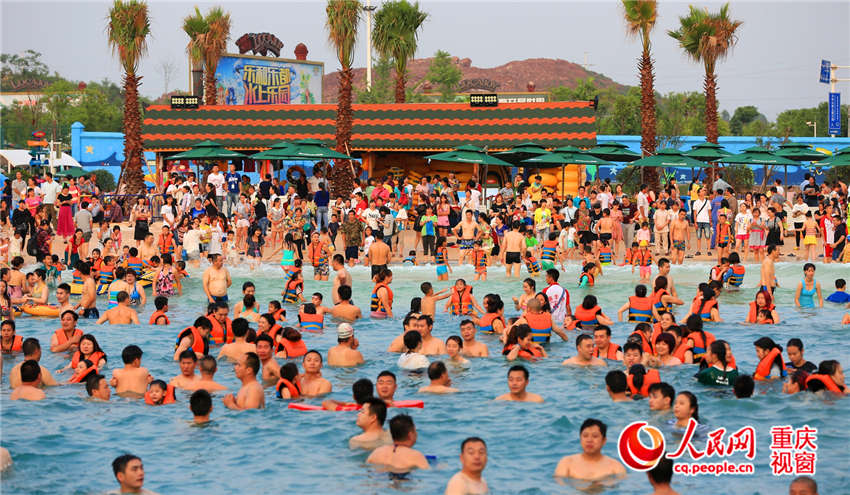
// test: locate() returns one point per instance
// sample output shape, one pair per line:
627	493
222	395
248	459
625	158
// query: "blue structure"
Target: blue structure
733	144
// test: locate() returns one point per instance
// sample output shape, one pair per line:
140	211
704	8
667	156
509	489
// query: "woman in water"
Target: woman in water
830	376
807	288
529	287
136	292
686	407
454	346
520	345
719	371
770	365
89	349
664	345
762	302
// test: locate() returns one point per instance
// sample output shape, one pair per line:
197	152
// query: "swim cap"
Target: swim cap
344	331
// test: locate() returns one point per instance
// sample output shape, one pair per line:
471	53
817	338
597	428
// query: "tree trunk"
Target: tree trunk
342	181
133	145
210	96
710	86
399	86
648	142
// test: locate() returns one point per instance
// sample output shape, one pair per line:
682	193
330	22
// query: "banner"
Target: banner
250	80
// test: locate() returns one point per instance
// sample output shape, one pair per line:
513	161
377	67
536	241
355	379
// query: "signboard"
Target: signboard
834	113
185	101
483	100
250	80
824	71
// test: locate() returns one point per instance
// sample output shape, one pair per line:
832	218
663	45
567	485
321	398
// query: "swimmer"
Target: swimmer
312	384
529	288
412	358
207	366
409	324
63	296
440	380
195	339
159	317
66	338
122	314
370	419
132	378
200	403
590	464
361	390
385	387
632	354
603	348
470	346
248	288
236	349
343	309
616	385
803	485
454	347
187	360
400	457
251	395
271	368
660	477
30	381
159	394
473	460
517	382
216	280
345	353
584	353
341	278
661	397
430	298
130	473
32	352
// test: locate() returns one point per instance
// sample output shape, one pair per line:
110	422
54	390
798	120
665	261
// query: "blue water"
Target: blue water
66	443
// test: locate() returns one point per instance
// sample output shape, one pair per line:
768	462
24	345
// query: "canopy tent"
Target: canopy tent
614	152
21	158
565	155
521	152
707	152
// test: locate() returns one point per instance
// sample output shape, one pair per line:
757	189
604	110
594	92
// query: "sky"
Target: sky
774	66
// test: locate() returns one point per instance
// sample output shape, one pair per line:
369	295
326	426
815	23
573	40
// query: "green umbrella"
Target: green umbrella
565	155
310	149
840	158
75	172
273	152
707	152
759	156
207	150
468	154
800	152
668	157
613	152
520	152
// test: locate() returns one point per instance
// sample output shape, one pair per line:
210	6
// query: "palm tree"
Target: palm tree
707	37
395	36
195	26
343	17
127	32
208	37
640	18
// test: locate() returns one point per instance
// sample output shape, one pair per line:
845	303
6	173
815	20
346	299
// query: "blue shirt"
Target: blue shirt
839	297
322	198
232	181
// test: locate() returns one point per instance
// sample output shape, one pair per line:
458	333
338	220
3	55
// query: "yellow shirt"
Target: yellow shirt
536	191
542	217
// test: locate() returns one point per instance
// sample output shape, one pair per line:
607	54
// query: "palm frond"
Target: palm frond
343	19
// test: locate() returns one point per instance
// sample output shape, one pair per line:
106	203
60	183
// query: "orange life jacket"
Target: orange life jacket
80	377
658	302
155	316
280	315
752	316
317	253
218	333
763	369
95	358
377	306
294	391
461	302
541	326
17	344
585	317
681	350
293	349
827	381
649	378
61	338
613	349
485	323
699	347
645	343
169	397
312	322
640	309
199	344
166	244
703	310
273	331
531	353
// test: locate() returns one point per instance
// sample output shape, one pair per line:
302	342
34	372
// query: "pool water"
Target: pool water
66	443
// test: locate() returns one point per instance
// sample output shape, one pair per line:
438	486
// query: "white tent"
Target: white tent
21	158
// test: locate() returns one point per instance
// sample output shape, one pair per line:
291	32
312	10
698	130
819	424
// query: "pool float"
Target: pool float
16	311
41	310
76	289
146	279
300	406
294	168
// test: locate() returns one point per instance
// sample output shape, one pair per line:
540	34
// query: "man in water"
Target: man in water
590	464
67	338
32	352
379	253
208	366
431	346
271	368
584	353
559	298
664	271
473	460
312	383
371	419
803	485
616	385
440	380
187	360
680	237
361	390
767	279
132	377
30	381
514	247
130	473
88	297
251	395
385	386
660	477
236	349
343	309
345	353
63	296
632	354
467	233
98	388
400	457
517	382
187	339
409	324
200	403
342	276
471	347
216	280
661	397
122	314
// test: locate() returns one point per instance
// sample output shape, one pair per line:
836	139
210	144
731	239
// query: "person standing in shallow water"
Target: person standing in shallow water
130	474
473	460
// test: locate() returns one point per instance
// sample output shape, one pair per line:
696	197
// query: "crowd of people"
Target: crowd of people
229	221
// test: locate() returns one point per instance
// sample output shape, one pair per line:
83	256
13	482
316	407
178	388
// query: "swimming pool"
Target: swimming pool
66	443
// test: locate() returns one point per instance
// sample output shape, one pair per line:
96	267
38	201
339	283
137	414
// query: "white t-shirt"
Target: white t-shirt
642	203
557	300
604	199
49	190
702	210
742	223
474	199
167	214
413	361
192	241
218	181
662	217
798	212
372	217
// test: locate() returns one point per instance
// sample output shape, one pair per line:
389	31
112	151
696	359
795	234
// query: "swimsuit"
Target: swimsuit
679	245
807	296
466	244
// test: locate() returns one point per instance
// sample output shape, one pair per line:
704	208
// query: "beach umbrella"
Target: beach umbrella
273	151
669	157
520	152
207	150
310	149
614	152
800	152
75	172
469	154
758	155
840	158
707	152
565	155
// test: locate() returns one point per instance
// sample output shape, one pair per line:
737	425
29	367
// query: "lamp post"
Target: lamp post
369	8
815	125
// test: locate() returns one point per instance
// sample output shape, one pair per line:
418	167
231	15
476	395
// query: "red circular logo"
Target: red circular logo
39	134
634	453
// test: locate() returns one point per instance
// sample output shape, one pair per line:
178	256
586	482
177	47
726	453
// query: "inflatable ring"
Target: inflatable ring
295	168
41	310
76	289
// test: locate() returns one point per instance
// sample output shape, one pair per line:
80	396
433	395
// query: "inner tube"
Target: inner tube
300	406
295	168
76	289
41	310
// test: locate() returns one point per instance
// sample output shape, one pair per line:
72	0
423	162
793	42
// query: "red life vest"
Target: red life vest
681	350
585	317
280	315
293	349
649	378
531	354
377	306
640	309
79	377
61	338
613	349
218	333
645	343
155	316
699	347
294	391
485	323
541	326
169	397
658	302
166	244
312	322
827	381
95	358
461	301
752	316
763	369
199	344
17	344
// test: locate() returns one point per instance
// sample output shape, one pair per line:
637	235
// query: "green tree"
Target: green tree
743	116
396	35
445	74
208	37
127	32
57	100
585	89
619	113
382	84
793	122
27	65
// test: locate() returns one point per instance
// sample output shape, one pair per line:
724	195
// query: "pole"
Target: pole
563	169
832	80
369	9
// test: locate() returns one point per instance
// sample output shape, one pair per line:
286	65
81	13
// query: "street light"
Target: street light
815	125
369	8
